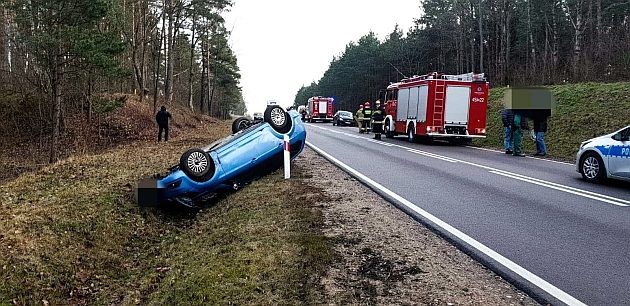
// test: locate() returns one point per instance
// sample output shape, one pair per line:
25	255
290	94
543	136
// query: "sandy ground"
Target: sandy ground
385	257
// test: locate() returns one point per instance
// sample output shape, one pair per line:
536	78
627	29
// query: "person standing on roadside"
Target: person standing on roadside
507	117
517	134
359	118
540	128
378	117
162	118
367	116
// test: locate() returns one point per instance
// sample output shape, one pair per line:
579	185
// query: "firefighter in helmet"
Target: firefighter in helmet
367	116
377	120
359	118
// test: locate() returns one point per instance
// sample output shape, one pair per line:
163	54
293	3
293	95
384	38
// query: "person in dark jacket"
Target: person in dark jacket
377	120
507	117
162	119
540	128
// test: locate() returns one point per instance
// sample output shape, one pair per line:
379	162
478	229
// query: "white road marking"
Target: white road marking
512	266
450	160
558	188
539	182
532	157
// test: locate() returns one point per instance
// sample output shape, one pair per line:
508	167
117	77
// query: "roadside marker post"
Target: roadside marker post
287	158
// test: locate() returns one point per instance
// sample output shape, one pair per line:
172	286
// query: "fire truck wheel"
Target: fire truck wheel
410	136
388	131
278	119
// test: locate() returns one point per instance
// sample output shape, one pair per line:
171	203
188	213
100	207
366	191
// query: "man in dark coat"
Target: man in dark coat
507	117
162	119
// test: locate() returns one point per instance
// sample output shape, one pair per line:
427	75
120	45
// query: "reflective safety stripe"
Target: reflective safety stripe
614	151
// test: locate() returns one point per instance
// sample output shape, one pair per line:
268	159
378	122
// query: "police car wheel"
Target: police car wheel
592	167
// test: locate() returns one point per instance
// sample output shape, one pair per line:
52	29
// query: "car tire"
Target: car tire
240	124
279	119
388	131
592	167
410	135
197	164
334	124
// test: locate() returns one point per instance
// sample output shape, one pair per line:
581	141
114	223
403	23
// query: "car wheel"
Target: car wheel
388	131
197	164
278	119
410	135
592	167
240	124
334	123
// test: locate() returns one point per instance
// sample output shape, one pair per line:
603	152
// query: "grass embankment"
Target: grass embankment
71	234
117	119
583	111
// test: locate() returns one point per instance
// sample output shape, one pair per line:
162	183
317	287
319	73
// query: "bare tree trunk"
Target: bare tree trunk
479	18
168	83
192	62
578	27
472	36
56	99
599	29
204	73
158	61
554	48
530	37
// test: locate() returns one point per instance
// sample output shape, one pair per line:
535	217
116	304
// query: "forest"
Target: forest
514	42
64	59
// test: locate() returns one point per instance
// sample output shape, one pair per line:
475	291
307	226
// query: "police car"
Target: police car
606	156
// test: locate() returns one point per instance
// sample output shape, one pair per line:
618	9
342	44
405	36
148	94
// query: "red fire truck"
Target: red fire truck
320	108
451	107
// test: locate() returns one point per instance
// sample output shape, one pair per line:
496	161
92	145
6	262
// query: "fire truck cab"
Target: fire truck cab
320	109
452	107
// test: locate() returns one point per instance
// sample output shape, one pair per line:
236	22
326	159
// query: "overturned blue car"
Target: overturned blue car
254	150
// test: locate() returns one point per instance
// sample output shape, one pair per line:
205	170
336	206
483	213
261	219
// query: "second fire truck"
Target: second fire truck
320	109
451	107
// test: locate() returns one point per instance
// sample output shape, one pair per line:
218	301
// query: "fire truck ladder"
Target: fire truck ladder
438	103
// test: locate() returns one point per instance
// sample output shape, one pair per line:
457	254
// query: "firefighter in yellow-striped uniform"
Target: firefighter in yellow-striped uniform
367	117
378	119
359	118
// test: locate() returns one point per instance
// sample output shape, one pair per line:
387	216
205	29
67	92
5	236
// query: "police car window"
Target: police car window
626	132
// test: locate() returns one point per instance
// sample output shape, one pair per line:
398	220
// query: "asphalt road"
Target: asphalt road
536	213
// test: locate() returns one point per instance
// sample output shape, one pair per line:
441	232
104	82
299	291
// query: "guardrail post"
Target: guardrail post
287	157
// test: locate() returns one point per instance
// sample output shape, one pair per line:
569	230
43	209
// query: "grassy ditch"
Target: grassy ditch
71	234
583	111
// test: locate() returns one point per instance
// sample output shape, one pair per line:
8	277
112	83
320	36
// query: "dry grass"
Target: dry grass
120	119
70	234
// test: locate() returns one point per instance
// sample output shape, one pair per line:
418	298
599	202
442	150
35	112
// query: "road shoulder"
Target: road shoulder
386	257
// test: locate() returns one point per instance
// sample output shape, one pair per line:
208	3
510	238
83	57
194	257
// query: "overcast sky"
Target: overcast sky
284	44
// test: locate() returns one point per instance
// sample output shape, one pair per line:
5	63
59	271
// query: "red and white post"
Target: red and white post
287	158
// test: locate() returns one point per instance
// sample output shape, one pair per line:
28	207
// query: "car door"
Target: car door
241	153
619	156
